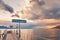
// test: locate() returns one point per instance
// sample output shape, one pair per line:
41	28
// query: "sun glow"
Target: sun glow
50	26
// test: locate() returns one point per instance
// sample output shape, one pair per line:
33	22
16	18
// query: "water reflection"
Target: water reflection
46	34
38	34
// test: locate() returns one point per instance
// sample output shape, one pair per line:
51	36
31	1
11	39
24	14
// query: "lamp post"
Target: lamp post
19	31
19	21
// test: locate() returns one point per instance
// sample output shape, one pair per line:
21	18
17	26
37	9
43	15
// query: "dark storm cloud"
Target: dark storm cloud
5	7
39	2
8	8
36	7
15	15
47	11
53	13
50	13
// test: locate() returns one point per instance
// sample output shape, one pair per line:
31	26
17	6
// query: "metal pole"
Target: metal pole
19	32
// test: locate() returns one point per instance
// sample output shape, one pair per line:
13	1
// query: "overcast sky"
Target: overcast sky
41	13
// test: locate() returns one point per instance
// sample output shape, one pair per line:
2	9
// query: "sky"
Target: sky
37	13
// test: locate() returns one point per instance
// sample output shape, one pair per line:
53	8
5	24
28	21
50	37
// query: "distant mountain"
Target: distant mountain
57	27
3	27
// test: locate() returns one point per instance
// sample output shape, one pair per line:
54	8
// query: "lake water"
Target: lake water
40	34
46	34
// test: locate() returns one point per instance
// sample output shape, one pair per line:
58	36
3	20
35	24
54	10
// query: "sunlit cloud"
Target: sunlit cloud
41	13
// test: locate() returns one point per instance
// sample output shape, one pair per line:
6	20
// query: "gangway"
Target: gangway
9	35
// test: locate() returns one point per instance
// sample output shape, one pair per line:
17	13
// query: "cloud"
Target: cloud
3	22
43	12
30	25
38	2
42	9
53	13
6	7
15	15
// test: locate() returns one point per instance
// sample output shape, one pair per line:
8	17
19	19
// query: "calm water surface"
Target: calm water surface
46	34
